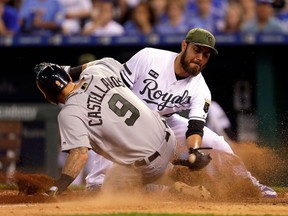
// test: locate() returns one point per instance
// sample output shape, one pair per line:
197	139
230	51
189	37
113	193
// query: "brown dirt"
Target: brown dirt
79	203
230	195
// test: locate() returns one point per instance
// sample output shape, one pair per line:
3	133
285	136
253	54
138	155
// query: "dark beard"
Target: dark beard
185	64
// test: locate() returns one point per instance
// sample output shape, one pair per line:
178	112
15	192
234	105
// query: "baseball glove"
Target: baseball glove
201	160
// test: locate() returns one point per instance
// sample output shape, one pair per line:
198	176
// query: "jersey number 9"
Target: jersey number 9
120	106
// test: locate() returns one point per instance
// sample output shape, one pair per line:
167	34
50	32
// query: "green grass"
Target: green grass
8	187
149	214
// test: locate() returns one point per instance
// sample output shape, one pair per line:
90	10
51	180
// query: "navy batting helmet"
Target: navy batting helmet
51	79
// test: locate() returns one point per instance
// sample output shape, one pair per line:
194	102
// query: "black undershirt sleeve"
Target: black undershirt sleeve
75	72
195	127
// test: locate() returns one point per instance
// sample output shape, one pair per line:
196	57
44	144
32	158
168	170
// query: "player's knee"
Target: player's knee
217	143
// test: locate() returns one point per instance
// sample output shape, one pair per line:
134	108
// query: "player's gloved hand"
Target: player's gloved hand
201	159
196	159
52	192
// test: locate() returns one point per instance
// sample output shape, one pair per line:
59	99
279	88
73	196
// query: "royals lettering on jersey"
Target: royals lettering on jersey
168	100
96	97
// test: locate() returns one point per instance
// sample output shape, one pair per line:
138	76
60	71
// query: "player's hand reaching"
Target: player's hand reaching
196	159
52	192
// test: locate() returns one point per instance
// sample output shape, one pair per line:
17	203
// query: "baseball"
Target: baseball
192	158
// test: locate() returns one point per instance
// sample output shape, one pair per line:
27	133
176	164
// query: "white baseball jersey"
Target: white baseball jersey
151	76
104	114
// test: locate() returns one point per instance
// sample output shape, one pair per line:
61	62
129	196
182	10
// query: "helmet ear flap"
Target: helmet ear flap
50	98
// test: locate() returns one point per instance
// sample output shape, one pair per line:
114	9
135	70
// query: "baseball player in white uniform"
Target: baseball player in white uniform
102	114
170	82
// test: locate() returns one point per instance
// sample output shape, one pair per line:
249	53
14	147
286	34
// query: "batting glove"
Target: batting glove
52	192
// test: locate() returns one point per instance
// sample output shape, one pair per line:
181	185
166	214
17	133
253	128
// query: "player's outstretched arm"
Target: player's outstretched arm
74	163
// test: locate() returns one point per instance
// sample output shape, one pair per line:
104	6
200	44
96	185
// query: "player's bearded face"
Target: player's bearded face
190	65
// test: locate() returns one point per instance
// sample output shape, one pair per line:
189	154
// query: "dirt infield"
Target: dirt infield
230	194
79	203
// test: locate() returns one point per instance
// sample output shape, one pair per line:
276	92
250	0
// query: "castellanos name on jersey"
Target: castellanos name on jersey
99	86
96	96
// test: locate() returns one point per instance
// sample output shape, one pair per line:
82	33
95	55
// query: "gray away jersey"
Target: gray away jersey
105	115
150	74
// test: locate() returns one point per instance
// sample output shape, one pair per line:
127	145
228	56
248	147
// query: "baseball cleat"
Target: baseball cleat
267	192
93	188
198	191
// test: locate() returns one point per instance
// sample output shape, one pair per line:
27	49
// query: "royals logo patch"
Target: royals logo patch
206	105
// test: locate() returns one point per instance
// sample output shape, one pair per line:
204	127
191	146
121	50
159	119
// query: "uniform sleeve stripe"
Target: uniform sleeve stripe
197	118
125	78
127	69
125	82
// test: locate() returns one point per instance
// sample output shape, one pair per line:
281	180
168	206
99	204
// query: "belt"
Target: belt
143	161
155	154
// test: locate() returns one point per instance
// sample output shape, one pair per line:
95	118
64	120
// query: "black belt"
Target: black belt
153	156
150	158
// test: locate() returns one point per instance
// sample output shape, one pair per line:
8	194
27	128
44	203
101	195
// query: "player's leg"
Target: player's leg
95	178
121	178
210	139
92	158
217	141
220	144
135	176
